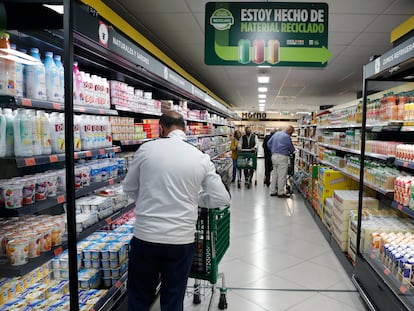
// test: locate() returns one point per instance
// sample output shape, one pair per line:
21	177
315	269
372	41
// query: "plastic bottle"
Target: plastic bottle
108	136
19	84
76	133
78	93
52	79
24	72
87	89
107	99
7	112
23	134
85	132
57	133
45	139
61	74
36	78
7	68
2	135
36	132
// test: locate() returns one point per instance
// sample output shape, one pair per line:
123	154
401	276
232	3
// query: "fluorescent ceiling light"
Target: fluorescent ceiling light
57	8
263	89
262	95
261	109
263	79
17	56
262	101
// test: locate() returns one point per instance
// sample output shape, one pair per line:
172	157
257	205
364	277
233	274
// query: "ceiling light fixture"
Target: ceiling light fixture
262	95
262	101
263	79
262	89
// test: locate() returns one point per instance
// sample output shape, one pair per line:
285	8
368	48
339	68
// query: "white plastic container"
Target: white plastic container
86	132
36	132
61	74
77	144
19	79
23	134
57	132
45	139
36	78
8	114
52	79
2	135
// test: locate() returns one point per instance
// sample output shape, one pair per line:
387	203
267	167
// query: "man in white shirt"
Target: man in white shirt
168	179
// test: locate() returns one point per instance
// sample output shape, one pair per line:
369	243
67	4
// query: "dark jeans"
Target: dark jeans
234	170
268	168
150	262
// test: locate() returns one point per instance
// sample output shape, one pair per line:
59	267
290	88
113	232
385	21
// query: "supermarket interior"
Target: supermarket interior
83	85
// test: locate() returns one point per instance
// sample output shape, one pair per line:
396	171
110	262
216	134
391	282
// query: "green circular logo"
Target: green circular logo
222	19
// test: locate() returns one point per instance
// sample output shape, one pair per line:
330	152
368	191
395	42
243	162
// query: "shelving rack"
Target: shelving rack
75	35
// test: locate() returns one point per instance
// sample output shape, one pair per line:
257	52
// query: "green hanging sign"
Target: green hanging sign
266	33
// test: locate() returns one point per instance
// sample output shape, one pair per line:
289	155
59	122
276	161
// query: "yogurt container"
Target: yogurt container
18	251
41	188
29	189
34	244
13	195
51	190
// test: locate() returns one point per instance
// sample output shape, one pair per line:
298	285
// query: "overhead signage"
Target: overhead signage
395	56
107	36
266	33
254	115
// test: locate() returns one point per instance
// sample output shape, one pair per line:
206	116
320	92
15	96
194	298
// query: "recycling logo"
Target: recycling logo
222	19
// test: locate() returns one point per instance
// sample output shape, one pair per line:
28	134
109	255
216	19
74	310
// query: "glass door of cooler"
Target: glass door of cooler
383	236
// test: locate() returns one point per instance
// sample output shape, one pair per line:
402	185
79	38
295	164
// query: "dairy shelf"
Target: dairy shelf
406	164
7	101
7	270
354	151
138	111
131	142
40	206
109	300
402	291
356	178
306	138
307	151
53	158
403	208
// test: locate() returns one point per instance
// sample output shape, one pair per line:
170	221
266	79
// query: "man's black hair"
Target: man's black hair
172	118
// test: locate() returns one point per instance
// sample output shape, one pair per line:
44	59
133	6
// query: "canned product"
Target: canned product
258	51
273	56
244	51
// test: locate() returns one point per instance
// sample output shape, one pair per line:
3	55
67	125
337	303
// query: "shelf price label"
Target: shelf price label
403	289
56	106
102	151
27	102
88	153
118	284
58	251
400	207
29	161
109	220
111	181
405	164
372	256
53	158
387	271
61	199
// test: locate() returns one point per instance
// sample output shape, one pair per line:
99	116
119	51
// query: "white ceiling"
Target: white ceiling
358	29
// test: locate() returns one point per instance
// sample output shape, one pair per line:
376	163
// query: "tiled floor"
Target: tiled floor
278	259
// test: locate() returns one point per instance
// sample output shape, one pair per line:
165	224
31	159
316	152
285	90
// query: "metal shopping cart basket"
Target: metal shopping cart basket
247	160
212	241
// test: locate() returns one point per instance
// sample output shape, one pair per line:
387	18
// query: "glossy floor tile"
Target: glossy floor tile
277	260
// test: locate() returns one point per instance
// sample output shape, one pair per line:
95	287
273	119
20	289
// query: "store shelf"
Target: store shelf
402	291
205	135
88	231
110	299
392	125
40	206
53	158
354	151
402	208
131	142
406	164
356	178
7	270
306	138
7	101
138	111
307	151
306	125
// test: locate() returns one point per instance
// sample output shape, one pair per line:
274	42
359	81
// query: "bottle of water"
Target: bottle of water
52	79
36	78
61	73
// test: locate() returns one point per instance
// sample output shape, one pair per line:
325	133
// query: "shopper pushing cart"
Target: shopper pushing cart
247	156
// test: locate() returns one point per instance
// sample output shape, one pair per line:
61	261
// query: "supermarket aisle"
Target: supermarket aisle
278	259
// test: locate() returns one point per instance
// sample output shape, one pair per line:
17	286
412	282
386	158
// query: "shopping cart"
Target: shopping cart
247	160
212	241
291	172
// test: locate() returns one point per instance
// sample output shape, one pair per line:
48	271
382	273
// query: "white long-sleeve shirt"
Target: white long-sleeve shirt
169	179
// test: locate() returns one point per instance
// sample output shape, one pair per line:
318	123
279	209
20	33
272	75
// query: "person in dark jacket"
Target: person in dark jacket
268	157
249	141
